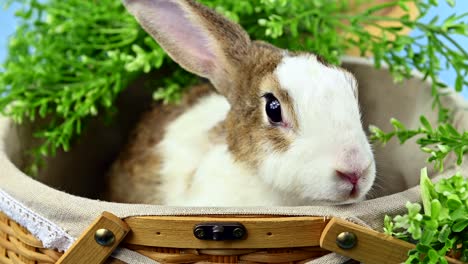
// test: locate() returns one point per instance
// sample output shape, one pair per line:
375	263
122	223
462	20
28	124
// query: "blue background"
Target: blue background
7	27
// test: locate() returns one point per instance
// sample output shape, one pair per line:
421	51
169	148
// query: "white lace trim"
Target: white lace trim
51	235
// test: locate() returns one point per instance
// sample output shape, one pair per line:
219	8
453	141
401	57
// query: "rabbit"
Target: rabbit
272	128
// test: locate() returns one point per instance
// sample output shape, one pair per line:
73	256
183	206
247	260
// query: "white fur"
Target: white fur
197	172
329	138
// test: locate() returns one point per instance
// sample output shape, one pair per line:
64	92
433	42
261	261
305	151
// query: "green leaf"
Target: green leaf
426	186
453	132
433	256
415	231
444	233
460	225
293	27
425	123
451	2
388	225
459	83
427	237
436	208
444	148
458	213
397	124
423	248
453	202
404	6
431	224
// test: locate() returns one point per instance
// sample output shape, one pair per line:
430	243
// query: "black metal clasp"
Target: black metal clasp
219	231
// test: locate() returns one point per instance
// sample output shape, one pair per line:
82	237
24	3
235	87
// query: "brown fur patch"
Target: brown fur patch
134	176
271	84
249	136
217	134
322	60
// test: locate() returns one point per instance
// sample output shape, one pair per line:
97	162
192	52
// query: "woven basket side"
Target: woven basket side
17	245
173	255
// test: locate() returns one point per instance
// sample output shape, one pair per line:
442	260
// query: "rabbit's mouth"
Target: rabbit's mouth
345	193
355	198
354	192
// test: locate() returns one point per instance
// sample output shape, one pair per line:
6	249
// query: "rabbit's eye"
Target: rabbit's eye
273	108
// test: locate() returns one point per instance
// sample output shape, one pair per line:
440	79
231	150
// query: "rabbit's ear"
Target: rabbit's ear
199	39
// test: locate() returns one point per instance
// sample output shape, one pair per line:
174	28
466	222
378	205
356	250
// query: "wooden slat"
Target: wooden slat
372	246
86	251
262	232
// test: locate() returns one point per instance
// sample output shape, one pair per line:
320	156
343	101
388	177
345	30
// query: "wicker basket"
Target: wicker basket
274	235
17	245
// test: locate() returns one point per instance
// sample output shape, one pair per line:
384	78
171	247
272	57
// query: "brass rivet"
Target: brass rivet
104	237
346	240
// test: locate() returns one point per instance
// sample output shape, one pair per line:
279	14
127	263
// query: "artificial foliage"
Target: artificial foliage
441	228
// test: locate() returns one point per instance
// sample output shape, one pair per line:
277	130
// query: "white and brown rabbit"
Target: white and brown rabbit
279	127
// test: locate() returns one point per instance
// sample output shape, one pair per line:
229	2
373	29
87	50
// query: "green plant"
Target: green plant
438	142
69	60
442	228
